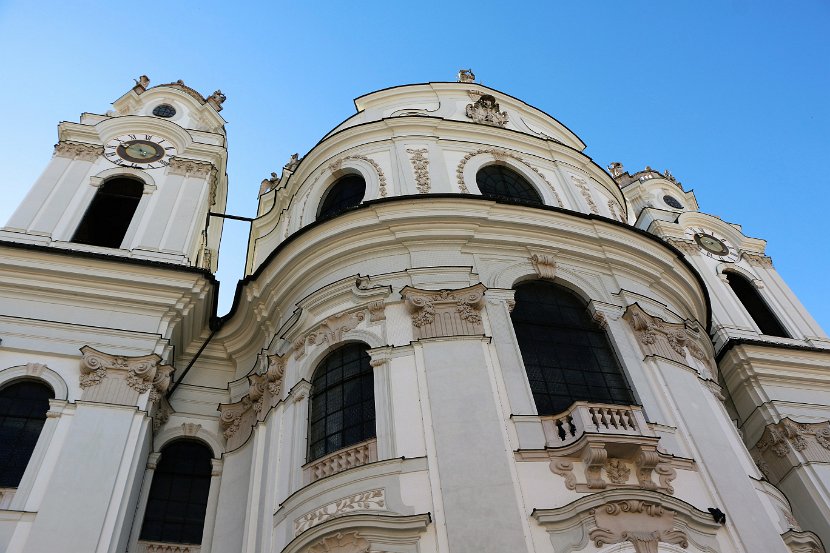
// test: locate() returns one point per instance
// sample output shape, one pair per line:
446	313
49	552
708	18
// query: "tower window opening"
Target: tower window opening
755	305
108	216
500	183
23	407
164	110
344	194
567	356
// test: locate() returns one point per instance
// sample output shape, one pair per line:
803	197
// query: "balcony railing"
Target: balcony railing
593	418
350	457
160	547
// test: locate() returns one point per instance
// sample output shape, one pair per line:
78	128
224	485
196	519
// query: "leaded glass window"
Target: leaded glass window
23	407
342	411
177	502
566	355
346	193
500	183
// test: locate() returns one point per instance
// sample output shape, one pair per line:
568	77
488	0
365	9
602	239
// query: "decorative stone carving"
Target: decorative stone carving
293	162
544	265
789	444
466	76
371	500
802	542
617	470
669	177
420	165
160	547
329	331
35	369
616	211
349	542
269	184
642	523
594	457
616	169
161	414
670	340
565	470
377	311
343	459
582	184
190	167
689	247
335	166
141	83
486	111
438	313
140	374
78	150
499	154
190	428
757	260
600	319
216	100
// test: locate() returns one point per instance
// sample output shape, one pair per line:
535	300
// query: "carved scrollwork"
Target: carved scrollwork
349	542
420	165
371	500
335	166
445	312
582	185
78	150
790	444
545	265
642	523
142	373
486	111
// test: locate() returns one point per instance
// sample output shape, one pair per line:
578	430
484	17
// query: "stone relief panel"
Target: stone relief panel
370	500
420	165
486	111
121	379
582	185
789	444
348	542
439	313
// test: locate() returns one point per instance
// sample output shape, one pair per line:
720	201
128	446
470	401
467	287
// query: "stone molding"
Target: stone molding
109	378
343	459
689	247
789	444
670	340
383	532
332	329
802	542
485	110
38	371
500	155
370	500
642	518
420	166
443	313
348	542
757	260
337	164
237	419
78	150
544	265
582	184
190	167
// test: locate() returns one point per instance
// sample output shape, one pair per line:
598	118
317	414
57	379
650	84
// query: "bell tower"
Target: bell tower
136	182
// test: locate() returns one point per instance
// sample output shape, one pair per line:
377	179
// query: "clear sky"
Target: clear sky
731	96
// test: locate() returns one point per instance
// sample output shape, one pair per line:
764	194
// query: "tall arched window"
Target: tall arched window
108	217
755	305
176	506
567	356
499	182
23	407
342	411
347	192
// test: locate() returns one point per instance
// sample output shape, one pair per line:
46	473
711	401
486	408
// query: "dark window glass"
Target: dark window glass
566	355
671	201
108	216
342	411
499	182
755	305
23	408
176	506
164	110
346	193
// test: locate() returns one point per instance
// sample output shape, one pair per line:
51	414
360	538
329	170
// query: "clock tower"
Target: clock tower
136	182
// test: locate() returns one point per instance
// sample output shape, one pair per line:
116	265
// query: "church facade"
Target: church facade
456	333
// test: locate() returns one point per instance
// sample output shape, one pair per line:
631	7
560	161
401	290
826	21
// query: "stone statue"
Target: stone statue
486	110
142	81
616	169
216	99
466	76
292	163
268	184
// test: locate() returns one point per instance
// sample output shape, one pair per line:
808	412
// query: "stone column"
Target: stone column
213	504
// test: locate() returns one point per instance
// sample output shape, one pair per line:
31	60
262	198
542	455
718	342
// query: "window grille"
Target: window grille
344	194
499	182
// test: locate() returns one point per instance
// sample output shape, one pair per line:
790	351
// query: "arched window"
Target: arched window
177	502
499	182
347	192
23	407
755	305
567	356
107	218
342	411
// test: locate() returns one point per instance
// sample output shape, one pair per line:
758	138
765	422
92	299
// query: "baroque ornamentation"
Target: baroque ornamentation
499	154
616	211
616	169
486	111
757	260
35	369
466	76
190	167
349	542
445	312
670	340
617	470
788	444
586	193
329	331
377	311
686	246
544	265
420	165
354	456
642	523
142	373
78	150
292	164
335	166
371	500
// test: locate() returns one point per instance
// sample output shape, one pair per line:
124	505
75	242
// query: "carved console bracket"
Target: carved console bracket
672	340
122	380
237	420
642	518
789	444
331	330
438	313
802	542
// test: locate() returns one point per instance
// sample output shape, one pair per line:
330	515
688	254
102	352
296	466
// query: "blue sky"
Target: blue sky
731	96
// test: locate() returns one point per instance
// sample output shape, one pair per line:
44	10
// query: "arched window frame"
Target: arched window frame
548	189
339	182
757	285
33	455
326	176
511	169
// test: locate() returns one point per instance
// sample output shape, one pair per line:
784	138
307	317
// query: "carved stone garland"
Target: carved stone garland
486	111
78	150
616	211
420	165
499	155
586	193
265	390
371	500
790	444
437	313
669	340
337	164
118	374
348	542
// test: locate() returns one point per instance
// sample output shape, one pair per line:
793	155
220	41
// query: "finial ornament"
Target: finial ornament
466	76
142	81
616	169
216	100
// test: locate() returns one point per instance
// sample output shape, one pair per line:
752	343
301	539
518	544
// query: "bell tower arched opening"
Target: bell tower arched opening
108	216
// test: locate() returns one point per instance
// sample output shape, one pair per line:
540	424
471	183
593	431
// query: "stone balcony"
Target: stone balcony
584	418
343	459
161	547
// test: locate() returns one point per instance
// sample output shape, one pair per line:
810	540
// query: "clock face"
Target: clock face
712	245
140	151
